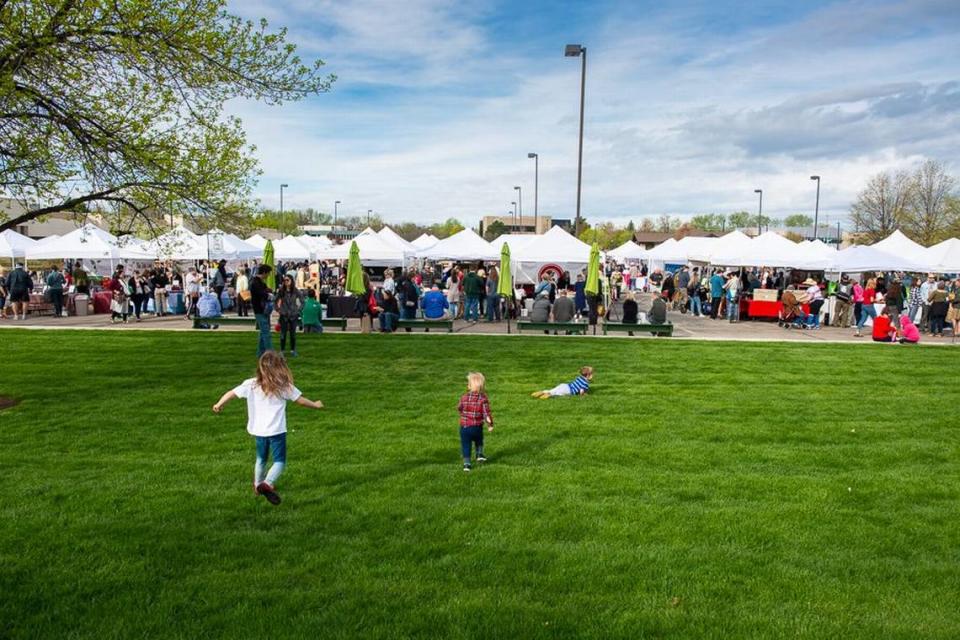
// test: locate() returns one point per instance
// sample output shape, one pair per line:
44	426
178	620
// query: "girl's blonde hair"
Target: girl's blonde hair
273	374
476	382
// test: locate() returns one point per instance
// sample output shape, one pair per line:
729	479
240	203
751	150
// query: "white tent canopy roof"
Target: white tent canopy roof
900	245
425	241
15	245
183	244
463	245
393	238
669	251
858	259
290	248
515	240
768	250
374	251
257	241
556	245
89	242
629	250
945	256
725	246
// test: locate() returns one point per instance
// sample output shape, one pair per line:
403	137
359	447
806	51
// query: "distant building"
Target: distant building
521	224
53	224
650	239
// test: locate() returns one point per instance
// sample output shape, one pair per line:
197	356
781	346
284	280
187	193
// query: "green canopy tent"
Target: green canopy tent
505	284
271	280
592	286
355	272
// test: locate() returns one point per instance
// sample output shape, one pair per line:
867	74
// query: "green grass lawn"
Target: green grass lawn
714	490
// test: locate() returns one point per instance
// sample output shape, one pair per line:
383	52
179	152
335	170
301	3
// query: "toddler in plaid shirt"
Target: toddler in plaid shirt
474	410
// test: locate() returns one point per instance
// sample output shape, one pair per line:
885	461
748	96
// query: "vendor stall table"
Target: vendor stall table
764	309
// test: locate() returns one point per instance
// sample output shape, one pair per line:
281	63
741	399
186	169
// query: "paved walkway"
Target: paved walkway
686	327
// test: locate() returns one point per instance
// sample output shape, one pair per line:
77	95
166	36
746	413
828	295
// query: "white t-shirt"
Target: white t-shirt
266	414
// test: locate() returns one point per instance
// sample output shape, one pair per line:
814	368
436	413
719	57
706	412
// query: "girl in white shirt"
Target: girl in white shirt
267	397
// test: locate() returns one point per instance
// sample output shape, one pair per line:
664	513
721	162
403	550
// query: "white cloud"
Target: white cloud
679	120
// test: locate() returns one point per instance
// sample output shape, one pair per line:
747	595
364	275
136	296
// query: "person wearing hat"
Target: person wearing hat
842	309
815	300
926	289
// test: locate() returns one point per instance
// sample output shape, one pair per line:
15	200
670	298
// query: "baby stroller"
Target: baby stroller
791	316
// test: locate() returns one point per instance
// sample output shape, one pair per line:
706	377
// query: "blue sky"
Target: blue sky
690	105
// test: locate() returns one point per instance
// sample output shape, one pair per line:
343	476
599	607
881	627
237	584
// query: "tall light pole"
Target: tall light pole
369	211
816	210
573	51
335	205
759	215
519	205
514	212
536	187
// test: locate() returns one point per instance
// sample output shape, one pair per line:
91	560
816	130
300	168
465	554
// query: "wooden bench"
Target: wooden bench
569	327
659	330
426	324
251	321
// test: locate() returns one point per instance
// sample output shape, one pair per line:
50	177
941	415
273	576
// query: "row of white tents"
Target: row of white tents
897	252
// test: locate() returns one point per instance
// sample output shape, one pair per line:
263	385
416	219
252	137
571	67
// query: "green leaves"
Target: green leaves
122	101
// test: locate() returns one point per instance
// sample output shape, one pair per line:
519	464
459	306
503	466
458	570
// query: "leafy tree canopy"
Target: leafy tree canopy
120	102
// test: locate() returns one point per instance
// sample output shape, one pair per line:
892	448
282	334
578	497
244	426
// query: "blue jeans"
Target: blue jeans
388	321
275	446
472	310
696	306
733	309
493	307
469	435
453	310
263	324
867	310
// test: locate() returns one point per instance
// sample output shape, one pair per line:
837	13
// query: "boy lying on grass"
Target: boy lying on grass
579	386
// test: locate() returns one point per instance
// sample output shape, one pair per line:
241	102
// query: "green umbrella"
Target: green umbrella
593	271
355	271
505	284
268	260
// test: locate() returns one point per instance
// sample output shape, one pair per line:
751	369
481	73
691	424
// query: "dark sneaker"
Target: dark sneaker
481	457
267	492
467	467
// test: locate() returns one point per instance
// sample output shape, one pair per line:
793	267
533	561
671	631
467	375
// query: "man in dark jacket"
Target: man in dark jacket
409	296
658	311
19	286
472	289
260	300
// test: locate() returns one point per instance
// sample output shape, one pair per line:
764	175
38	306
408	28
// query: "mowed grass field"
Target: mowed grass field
702	490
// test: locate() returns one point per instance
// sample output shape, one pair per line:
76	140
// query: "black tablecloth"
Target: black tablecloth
342	307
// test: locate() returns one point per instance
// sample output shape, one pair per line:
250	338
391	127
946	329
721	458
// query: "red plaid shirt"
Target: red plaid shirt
474	408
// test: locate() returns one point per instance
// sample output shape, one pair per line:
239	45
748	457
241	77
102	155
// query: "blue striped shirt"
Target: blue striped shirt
578	385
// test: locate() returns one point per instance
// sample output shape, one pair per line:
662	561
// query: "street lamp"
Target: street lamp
536	187
335	205
574	51
519	205
816	211
759	215
369	211
514	212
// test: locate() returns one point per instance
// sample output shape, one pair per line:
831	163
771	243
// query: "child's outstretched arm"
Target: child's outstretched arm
311	404
227	397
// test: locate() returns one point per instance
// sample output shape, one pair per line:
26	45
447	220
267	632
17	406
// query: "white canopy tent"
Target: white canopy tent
425	241
670	251
15	245
516	241
859	259
898	244
391	237
463	245
731	244
629	250
89	242
555	249
290	248
48	239
768	250
944	257
374	251
183	244
257	241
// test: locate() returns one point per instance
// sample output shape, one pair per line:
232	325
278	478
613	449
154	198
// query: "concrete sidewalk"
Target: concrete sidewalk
686	327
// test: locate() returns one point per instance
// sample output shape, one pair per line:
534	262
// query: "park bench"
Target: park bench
426	324
251	321
569	327
659	330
